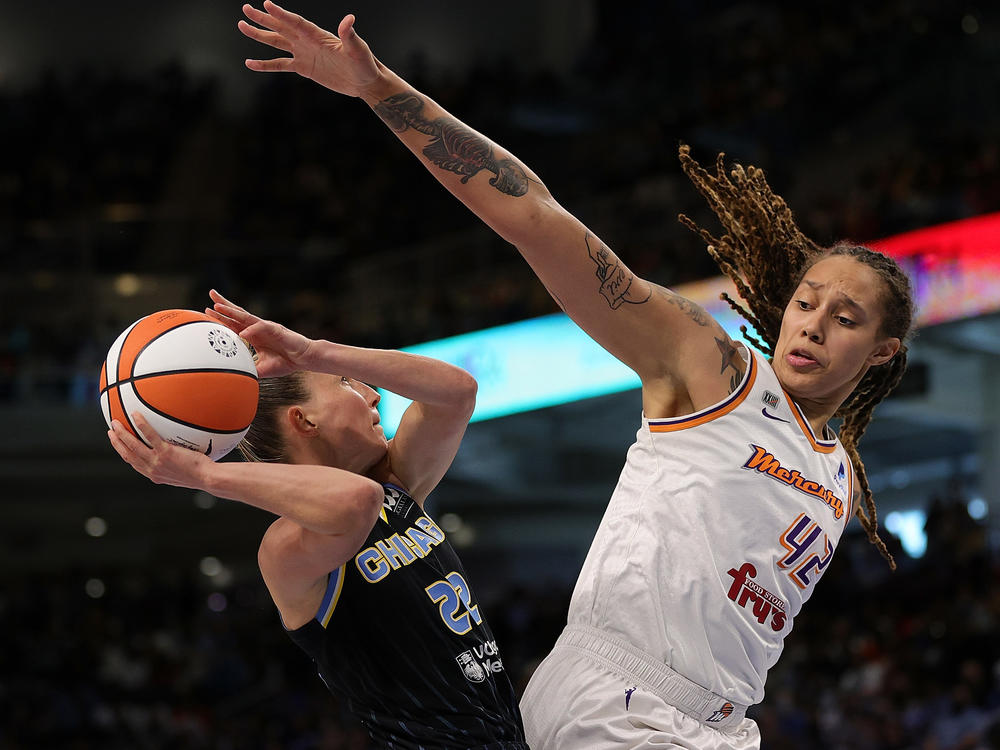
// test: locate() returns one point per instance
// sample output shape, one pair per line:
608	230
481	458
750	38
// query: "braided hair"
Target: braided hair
766	255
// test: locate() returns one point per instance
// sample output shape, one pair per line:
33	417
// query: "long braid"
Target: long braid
765	255
762	250
854	425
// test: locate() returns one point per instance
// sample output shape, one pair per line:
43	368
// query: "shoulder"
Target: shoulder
296	563
712	367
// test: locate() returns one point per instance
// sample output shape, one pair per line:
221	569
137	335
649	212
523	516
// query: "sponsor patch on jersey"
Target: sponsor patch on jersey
750	595
471	668
770	399
395	501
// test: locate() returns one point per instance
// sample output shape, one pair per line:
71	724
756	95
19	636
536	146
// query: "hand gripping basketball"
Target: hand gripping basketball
190	377
279	350
160	461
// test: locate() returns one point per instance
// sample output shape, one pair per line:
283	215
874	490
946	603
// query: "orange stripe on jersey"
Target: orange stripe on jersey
820	446
850	492
698	418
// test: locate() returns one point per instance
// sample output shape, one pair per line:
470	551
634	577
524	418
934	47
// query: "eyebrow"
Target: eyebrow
850	302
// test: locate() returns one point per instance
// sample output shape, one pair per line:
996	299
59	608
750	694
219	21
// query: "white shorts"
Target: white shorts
578	700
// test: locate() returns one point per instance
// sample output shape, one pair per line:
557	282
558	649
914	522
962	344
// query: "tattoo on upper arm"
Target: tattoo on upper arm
618	284
453	147
731	359
693	310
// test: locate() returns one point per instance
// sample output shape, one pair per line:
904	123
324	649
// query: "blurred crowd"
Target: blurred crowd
124	193
877	660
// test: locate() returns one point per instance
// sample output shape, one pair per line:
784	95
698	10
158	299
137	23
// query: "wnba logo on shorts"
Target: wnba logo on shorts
723	713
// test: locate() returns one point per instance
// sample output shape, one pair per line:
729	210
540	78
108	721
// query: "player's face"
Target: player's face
830	332
344	410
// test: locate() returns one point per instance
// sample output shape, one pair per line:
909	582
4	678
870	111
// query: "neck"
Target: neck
316	453
817	415
819	410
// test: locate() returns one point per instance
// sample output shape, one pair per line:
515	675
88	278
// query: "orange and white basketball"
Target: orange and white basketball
193	379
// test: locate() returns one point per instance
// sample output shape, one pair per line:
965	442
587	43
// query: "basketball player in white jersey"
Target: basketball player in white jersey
736	492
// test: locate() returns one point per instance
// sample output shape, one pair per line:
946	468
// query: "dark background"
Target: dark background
142	164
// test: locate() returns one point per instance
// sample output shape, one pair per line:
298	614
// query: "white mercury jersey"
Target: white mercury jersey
720	526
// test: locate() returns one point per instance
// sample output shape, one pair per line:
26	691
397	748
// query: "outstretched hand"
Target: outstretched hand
279	350
341	62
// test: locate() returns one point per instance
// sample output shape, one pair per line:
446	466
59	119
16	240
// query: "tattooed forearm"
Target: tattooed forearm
731	359
692	310
618	284
453	147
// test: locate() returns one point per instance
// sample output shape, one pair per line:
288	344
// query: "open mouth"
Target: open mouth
800	358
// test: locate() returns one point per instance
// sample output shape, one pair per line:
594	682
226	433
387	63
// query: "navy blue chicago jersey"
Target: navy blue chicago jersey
402	637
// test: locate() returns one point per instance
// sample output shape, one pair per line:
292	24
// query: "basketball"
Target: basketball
193	379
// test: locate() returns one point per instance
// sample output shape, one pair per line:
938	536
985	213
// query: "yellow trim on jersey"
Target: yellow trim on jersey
382	515
335	584
699	418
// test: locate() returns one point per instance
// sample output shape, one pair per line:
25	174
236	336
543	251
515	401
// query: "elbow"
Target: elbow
356	518
369	500
520	226
355	512
465	393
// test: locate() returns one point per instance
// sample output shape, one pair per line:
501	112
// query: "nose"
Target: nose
812	329
813	332
373	396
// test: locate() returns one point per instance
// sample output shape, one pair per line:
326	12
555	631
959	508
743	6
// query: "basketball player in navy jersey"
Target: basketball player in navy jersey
736	492
365	582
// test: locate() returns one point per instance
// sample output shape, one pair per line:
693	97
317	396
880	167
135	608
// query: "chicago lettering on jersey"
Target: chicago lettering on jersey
745	590
394	552
764	462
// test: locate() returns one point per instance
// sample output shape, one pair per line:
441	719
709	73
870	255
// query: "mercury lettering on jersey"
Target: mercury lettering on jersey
764	462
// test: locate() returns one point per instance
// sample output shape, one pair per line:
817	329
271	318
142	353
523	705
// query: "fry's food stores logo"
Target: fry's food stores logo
745	590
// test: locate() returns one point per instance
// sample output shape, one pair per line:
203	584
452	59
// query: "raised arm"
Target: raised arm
431	429
671	343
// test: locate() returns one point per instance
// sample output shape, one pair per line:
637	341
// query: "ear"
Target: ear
884	351
299	423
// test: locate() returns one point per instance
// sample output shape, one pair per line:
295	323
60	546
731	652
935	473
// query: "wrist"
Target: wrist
385	85
316	357
206	476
